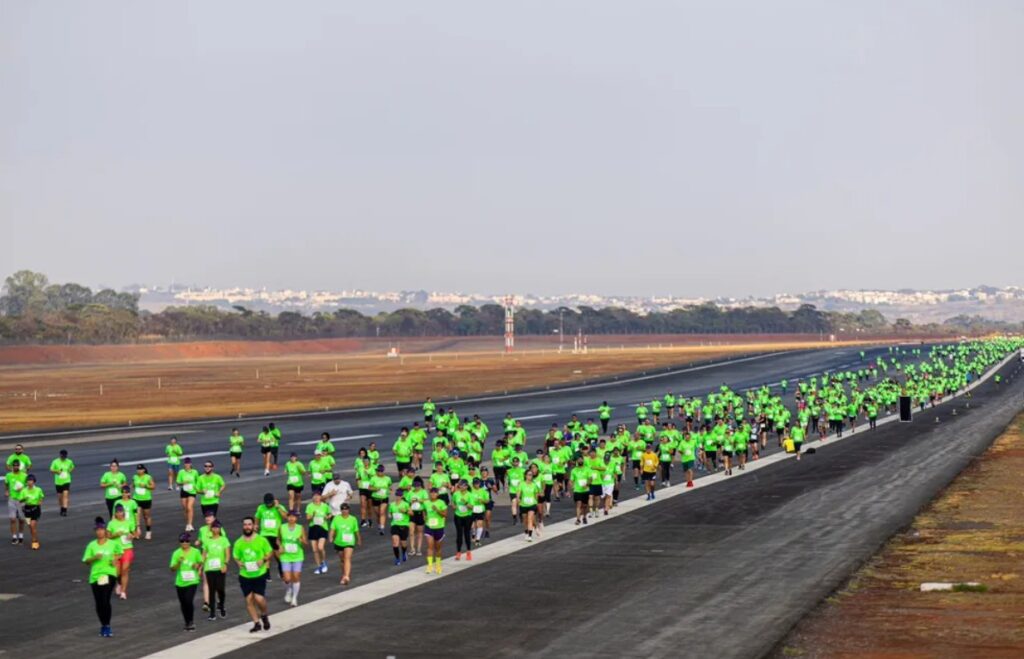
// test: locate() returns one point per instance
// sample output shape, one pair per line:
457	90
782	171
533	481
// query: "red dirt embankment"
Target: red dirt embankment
28	355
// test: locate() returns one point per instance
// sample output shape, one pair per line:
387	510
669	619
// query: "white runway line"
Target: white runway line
351	438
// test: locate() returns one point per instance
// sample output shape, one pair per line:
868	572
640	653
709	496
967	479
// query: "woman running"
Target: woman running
417	498
344	535
186	563
292	540
142	493
437	513
187	479
101	556
216	554
529	495
236	443
123	530
318	515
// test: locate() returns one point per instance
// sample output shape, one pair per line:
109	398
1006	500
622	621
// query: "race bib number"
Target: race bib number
318	520
189	487
463	509
416	505
213	564
398	517
382	493
252	566
294	479
141	490
210	494
62	475
348	538
317	476
581	482
188	575
291	548
103	580
111	491
514	482
478	509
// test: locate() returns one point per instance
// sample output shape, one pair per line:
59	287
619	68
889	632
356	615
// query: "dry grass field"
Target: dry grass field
49	395
974	532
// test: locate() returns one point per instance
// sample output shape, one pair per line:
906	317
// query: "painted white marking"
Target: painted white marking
534	416
69	441
237	637
334	439
6	597
163	458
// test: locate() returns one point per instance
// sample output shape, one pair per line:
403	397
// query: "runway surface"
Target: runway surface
757	551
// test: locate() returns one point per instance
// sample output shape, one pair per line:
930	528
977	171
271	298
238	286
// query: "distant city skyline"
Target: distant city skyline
702	150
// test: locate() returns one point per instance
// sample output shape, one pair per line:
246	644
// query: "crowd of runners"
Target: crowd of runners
436	478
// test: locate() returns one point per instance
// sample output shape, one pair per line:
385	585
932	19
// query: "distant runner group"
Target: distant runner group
440	479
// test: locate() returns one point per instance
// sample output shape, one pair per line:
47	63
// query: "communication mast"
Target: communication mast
510	323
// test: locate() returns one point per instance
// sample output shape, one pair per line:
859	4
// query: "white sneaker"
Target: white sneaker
295	601
149	535
188	527
288	597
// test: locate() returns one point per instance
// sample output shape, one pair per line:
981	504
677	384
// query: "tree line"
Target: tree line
32	310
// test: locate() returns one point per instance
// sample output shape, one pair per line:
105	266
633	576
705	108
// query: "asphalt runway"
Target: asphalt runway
756	552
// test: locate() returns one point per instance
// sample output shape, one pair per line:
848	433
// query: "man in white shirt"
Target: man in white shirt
336	492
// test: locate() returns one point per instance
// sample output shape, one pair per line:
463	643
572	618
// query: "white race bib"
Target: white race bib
478	508
270	523
291	548
581	482
62	475
102	580
416	505
111	491
188	487
348	538
318	520
463	509
398	517
317	476
210	494
514	482
213	564
188	575
252	566
141	490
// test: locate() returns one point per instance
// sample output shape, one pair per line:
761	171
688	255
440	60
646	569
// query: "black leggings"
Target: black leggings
101	594
215	582
186	597
463	529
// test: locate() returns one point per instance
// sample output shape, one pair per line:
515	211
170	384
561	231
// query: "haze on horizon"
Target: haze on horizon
694	149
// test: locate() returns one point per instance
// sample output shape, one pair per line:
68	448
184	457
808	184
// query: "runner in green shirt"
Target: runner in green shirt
325	445
252	553
604	413
344	535
14	486
32	501
173	451
292	539
399	511
186	563
111	482
188	484
275	443
142	493
61	468
380	490
529	496
269	518
579	478
429	408
211	488
236	444
295	479
437	513
101	555
216	550
318	516
19	456
124	530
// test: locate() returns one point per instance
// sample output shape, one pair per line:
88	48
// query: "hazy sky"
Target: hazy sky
711	148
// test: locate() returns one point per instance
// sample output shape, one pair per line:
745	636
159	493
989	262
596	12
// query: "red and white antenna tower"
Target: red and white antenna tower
510	323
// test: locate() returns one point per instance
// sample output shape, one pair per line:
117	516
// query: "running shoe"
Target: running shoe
266	623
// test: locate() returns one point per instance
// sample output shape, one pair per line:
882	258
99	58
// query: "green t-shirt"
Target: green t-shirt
346	530
319	471
580	477
217	550
142	487
380	487
174	453
122	531
61	470
269	519
318	514
399	512
417	499
463	503
187	564
209	486
187	480
32	496
103	569
480	497
111	483
295	471
237	443
291	544
436	514
252	554
26	462
16	484
604	412
528	493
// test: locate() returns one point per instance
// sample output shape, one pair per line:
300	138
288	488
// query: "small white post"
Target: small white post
101	390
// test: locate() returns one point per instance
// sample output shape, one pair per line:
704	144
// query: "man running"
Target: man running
252	553
649	470
173	451
344	536
211	488
61	468
14	486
